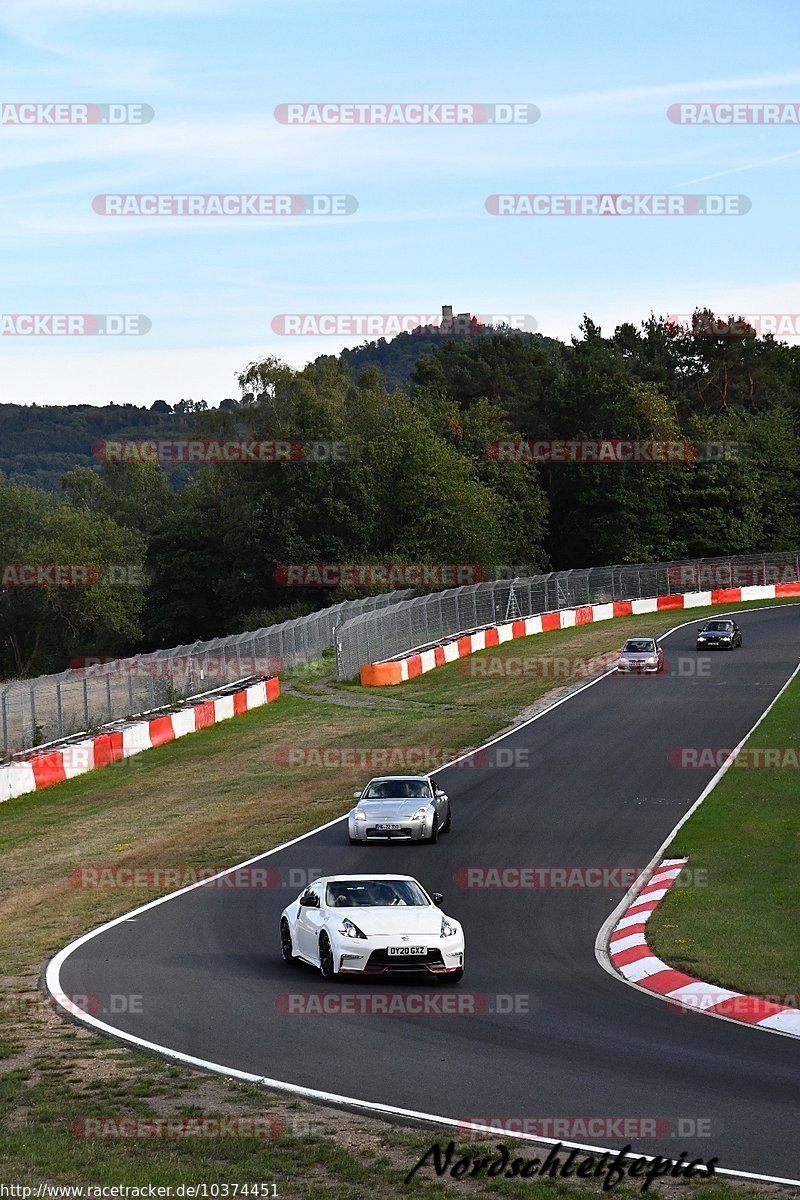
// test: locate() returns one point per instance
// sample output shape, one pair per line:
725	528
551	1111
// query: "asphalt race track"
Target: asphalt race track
598	791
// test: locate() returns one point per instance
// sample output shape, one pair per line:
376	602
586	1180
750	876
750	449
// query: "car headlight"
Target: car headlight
448	928
359	815
701	637
350	930
726	637
652	661
421	813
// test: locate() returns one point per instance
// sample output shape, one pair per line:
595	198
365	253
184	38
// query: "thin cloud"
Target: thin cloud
674	92
752	166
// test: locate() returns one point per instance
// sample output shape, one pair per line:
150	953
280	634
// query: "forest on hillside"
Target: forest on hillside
171	564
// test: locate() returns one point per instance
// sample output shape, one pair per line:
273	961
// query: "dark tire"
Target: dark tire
451	977
433	839
355	841
287	951
449	821
326	961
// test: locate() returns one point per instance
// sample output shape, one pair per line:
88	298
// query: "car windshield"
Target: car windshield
375	893
719	626
398	789
639	646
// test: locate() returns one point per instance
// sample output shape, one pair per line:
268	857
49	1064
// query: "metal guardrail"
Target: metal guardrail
377	636
40	710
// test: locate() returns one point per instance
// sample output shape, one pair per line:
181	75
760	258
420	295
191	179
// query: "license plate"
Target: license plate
389	827
408	949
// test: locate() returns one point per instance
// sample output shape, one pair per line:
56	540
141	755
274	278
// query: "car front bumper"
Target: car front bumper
370	956
406	831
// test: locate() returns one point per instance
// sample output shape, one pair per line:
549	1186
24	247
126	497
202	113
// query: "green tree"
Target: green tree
97	606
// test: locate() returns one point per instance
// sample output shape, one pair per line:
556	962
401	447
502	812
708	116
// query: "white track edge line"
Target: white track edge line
53	968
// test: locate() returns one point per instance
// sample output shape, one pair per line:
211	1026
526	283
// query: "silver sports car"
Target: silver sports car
399	808
641	654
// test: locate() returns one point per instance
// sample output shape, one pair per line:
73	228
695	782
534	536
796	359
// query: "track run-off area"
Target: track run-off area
537	1031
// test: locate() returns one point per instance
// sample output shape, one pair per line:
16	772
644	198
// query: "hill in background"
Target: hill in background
397	357
39	444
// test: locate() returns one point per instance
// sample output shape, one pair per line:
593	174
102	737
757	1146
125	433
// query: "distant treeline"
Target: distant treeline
38	443
416	484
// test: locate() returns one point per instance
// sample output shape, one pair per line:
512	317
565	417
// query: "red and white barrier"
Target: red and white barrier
398	670
54	765
633	958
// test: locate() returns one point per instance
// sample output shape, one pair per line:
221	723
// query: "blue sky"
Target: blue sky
603	76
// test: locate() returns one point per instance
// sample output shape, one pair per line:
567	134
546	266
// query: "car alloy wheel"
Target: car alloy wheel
326	963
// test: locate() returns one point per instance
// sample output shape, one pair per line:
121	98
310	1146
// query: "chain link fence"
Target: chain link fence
41	710
426	620
371	629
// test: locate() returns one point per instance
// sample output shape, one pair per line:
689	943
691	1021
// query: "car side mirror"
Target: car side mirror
357	795
439	791
310	901
438	899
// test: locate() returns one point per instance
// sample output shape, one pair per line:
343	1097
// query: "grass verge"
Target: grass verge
741	930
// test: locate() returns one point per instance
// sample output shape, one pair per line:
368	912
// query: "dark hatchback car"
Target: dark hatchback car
719	634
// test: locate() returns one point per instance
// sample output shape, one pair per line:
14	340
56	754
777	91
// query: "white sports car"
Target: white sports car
371	924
